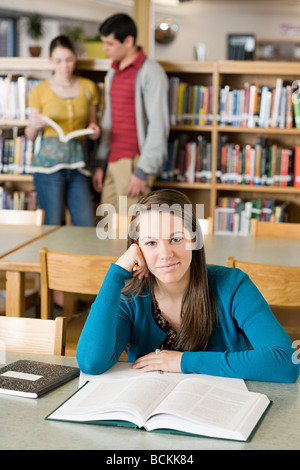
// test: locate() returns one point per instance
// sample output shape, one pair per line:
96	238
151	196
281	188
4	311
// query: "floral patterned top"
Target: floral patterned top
169	342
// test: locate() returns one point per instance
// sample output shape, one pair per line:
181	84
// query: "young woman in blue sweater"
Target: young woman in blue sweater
175	313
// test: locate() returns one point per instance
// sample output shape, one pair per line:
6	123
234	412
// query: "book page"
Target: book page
55	126
78	133
210	404
66	137
130	400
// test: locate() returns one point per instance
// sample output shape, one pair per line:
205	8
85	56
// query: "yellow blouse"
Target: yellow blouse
70	113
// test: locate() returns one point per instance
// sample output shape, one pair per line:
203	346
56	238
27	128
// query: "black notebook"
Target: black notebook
33	378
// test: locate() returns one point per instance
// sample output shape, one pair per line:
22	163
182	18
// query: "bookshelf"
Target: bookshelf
15	188
195	74
16	183
216	75
260	74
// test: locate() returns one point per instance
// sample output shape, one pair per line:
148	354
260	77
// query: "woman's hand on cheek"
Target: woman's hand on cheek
133	261
165	361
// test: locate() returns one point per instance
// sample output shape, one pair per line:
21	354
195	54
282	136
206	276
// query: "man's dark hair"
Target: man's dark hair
120	25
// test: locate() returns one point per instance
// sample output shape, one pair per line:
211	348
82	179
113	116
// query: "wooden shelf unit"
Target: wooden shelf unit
260	73
217	74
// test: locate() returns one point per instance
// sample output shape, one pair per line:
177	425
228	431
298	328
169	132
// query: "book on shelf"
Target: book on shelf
203	172
31	379
297	167
70	135
189	104
188	161
172	403
233	215
296	108
18	200
278	95
254	106
14	97
261	164
15	155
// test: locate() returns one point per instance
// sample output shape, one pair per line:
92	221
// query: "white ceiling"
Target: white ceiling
183	4
177	2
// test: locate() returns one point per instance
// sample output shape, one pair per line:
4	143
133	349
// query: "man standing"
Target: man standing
135	125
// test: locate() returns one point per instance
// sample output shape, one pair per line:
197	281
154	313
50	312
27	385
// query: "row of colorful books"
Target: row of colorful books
262	164
14	97
18	200
254	106
188	161
251	106
190	104
15	155
233	215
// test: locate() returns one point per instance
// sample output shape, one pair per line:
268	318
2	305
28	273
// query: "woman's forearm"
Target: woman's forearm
104	335
31	133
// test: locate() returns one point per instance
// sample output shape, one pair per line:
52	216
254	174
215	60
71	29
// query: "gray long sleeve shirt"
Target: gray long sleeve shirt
152	118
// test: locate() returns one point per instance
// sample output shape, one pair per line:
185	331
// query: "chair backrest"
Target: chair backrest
33	335
206	225
120	224
81	274
274	229
22	217
280	285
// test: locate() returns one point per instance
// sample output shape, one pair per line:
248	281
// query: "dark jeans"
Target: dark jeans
68	188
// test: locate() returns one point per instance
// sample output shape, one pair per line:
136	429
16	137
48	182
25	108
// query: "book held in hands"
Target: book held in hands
191	404
71	135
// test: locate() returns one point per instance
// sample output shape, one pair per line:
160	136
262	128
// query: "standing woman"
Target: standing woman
61	170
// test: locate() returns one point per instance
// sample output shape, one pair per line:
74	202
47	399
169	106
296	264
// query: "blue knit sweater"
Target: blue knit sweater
244	320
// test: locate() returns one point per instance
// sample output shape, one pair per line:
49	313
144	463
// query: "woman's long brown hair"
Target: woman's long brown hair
198	309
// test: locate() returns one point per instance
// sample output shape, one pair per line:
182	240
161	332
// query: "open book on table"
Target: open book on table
66	137
191	404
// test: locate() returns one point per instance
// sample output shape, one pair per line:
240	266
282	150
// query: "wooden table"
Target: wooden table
278	251
13	237
24	426
68	239
84	240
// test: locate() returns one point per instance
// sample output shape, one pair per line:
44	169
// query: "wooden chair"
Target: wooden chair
71	273
80	274
33	335
120	224
280	286
22	217
274	229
